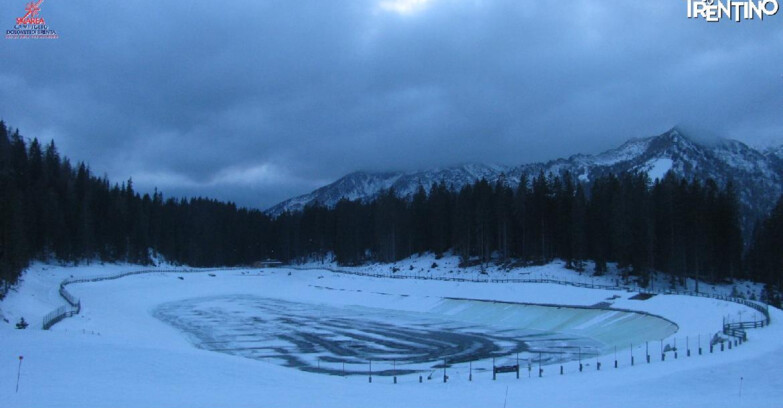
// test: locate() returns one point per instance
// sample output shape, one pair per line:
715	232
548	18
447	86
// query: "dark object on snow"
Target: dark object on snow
22	324
505	369
180	278
212	275
641	296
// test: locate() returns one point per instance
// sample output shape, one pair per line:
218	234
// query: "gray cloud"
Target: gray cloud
257	101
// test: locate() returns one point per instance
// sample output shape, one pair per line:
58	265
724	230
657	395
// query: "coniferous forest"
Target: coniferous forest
52	209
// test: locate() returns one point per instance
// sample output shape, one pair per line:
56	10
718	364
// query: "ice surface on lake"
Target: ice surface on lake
609	327
343	340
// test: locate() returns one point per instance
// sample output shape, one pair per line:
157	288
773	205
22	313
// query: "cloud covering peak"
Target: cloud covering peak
257	101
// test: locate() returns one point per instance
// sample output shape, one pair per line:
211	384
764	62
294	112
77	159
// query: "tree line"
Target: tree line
52	209
685	228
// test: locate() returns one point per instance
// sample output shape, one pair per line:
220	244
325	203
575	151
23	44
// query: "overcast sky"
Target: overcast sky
257	101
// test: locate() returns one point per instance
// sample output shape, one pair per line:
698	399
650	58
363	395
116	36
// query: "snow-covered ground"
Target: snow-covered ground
425	266
134	343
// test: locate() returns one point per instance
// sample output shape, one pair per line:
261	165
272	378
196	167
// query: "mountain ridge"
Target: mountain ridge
757	175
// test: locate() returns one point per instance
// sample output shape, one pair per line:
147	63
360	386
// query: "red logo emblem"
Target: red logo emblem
31	16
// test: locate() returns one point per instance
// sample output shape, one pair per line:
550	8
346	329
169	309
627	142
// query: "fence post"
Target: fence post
19	372
540	370
675	348
615	356
370	370
445	377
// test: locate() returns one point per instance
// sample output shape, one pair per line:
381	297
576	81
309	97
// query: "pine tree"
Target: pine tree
440	218
521	218
420	231
464	221
578	230
13	250
504	220
765	257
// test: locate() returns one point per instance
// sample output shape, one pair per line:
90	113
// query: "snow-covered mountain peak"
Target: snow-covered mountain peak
628	151
672	143
676	141
757	176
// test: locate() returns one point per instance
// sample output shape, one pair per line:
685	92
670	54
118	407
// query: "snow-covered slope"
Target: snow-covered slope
117	353
757	176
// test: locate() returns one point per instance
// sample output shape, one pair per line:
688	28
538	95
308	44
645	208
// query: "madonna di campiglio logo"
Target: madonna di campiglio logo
31	26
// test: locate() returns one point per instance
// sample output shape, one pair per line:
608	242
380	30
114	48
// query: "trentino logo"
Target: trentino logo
714	11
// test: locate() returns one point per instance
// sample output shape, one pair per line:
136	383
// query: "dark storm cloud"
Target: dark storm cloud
258	101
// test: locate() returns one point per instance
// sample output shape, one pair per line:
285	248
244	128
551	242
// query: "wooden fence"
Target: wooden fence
74	305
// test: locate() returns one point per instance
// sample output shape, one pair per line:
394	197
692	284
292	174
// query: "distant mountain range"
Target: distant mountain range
757	175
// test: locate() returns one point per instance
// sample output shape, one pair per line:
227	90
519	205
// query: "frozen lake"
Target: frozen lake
342	340
233	339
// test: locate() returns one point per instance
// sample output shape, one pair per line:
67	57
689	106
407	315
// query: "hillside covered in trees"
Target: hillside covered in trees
52	209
